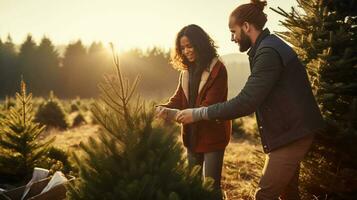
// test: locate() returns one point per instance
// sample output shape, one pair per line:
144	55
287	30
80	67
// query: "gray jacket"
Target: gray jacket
278	91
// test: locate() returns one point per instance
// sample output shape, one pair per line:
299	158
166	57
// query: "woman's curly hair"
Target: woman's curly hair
204	47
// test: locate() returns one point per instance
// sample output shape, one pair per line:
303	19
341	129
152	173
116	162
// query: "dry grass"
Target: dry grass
243	162
69	139
242	169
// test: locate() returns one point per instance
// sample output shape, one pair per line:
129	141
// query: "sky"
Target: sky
128	24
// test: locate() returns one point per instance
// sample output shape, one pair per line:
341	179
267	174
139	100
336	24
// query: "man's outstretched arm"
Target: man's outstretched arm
265	74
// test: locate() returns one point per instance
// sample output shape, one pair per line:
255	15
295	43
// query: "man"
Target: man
279	92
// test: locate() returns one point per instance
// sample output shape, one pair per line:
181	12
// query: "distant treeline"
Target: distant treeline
78	71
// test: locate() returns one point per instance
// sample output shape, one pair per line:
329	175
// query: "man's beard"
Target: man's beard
244	43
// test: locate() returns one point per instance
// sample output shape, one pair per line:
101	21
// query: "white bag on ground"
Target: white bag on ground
57	179
38	174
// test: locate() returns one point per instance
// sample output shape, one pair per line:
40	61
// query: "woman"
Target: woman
203	81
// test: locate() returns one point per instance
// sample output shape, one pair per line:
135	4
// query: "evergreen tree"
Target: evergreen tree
47	67
51	113
20	151
78	119
27	63
8	71
324	34
133	158
74	64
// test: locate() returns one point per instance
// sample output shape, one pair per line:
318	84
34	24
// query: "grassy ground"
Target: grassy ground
241	170
243	162
69	139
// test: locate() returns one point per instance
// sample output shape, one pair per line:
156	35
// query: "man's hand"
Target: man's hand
185	116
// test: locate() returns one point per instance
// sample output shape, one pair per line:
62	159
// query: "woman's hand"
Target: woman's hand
167	114
160	112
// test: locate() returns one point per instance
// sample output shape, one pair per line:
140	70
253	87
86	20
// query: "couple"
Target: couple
278	91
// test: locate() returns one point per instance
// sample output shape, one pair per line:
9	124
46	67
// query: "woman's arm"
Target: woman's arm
176	100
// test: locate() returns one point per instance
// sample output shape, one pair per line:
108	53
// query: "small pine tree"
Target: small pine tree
51	113
323	33
20	151
75	105
133	158
78	119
